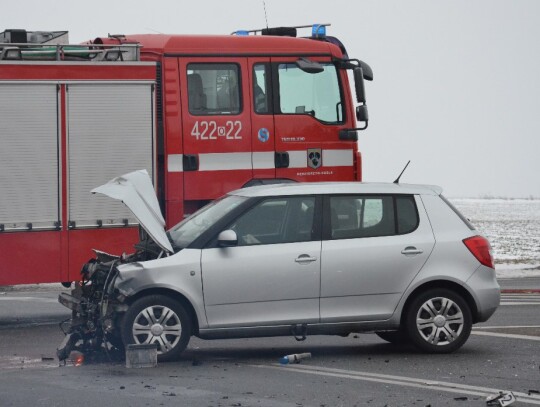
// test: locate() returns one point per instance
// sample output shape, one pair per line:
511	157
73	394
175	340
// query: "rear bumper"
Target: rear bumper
486	292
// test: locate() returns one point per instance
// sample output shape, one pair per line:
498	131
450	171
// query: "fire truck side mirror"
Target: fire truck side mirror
362	116
358	73
309	66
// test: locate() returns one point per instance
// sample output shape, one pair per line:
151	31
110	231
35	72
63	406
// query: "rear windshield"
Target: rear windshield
458	213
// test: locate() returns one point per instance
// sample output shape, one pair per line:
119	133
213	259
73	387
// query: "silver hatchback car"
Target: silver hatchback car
290	259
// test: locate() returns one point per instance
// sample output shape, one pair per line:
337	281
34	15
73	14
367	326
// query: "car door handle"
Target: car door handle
305	258
411	250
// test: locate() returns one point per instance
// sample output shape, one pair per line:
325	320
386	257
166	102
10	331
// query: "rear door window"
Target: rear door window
358	216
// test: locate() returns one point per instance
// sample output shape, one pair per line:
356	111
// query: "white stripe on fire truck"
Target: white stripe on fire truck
298	159
263	160
225	161
259	160
337	158
175	163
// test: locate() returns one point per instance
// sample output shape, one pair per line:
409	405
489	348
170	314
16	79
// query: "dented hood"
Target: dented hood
136	191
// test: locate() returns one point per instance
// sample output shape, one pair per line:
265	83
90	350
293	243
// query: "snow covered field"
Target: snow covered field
513	229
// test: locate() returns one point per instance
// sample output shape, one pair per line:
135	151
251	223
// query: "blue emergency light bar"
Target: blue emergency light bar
317	31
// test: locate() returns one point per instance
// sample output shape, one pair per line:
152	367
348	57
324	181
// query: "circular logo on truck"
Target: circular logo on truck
263	135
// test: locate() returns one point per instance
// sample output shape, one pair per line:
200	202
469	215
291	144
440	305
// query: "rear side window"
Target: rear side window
213	89
361	216
407	215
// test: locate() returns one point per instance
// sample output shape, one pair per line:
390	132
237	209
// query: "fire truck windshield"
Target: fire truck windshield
307	93
184	233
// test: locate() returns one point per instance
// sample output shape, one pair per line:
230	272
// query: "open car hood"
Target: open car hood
136	191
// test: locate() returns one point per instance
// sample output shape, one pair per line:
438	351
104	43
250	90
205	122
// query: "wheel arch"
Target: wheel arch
175	295
449	285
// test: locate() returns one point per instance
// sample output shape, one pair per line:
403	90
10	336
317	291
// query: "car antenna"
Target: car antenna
397	179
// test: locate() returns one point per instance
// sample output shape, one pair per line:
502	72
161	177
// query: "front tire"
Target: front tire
438	321
161	320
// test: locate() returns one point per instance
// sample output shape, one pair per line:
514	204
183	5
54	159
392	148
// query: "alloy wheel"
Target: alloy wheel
440	321
157	324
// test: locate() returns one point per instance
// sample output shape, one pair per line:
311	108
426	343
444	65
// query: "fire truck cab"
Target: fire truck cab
202	114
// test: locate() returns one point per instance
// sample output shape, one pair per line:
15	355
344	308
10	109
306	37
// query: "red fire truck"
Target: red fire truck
202	114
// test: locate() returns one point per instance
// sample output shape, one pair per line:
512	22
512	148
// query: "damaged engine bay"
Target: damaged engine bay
97	307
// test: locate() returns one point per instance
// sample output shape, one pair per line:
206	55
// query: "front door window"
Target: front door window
306	93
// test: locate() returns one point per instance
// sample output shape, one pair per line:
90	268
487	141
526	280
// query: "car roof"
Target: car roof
316	188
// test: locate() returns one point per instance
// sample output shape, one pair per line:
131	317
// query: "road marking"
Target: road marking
506	326
32	299
401	381
519	303
520	299
511	336
21	362
530	295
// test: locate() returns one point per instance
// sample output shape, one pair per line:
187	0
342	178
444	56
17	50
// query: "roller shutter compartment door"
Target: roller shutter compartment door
28	156
110	133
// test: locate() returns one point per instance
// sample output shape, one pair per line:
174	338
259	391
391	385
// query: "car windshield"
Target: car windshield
185	232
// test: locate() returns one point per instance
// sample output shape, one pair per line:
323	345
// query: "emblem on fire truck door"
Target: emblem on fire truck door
314	158
263	135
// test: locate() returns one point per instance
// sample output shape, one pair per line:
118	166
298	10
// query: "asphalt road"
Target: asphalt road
501	354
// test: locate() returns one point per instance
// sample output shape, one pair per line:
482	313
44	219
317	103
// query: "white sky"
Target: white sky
456	89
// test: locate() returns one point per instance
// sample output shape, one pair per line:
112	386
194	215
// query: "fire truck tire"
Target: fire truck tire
158	319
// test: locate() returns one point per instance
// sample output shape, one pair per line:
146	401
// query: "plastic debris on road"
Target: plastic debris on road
294	358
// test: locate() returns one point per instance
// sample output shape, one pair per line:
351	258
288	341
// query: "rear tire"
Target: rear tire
438	321
158	319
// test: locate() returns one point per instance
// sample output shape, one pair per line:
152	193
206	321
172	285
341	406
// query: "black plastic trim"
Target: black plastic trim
190	162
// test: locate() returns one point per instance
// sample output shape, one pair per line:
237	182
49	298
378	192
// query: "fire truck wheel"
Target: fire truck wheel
158	319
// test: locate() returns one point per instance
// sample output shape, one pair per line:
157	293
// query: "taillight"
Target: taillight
481	249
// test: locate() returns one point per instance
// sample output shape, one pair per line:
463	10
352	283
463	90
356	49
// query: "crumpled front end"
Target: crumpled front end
94	310
97	306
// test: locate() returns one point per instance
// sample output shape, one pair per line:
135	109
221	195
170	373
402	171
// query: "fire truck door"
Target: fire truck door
216	126
262	118
309	112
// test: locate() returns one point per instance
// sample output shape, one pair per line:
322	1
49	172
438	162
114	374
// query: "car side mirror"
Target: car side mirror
227	238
